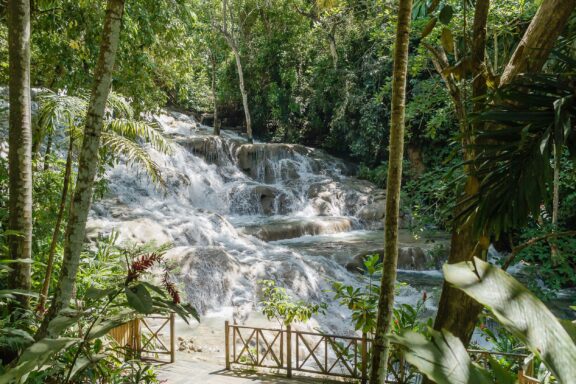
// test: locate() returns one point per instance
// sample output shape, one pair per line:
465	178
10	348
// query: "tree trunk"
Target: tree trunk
48	151
88	161
457	312
415	157
381	346
20	145
56	233
229	36
243	92
539	39
333	49
214	99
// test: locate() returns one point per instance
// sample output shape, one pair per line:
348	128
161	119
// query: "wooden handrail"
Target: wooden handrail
322	355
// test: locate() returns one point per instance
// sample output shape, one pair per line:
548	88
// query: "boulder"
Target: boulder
259	161
411	258
292	228
196	268
139	231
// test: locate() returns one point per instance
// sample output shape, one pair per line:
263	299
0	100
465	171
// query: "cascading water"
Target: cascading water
237	213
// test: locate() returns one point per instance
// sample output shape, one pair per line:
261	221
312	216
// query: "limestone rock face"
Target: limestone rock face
411	258
138	231
196	268
292	228
261	161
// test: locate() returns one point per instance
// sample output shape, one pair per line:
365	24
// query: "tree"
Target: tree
381	346
456	312
539	39
121	135
465	243
88	161
230	34
213	70
20	144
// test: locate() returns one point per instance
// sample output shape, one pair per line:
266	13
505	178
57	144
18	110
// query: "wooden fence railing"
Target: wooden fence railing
143	337
330	355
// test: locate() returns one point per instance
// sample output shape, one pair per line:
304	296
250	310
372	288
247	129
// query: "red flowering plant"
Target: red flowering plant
145	297
112	288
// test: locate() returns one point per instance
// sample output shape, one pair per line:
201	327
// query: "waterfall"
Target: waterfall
227	207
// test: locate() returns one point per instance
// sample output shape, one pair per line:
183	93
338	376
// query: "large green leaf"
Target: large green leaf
12	293
443	359
520	312
34	357
84	362
139	299
102	327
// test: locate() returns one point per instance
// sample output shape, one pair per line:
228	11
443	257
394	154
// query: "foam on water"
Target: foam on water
209	187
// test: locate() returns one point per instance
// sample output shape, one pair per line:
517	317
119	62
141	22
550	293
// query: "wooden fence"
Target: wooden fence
143	338
329	355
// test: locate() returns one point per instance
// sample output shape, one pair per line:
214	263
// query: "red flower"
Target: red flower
171	288
142	264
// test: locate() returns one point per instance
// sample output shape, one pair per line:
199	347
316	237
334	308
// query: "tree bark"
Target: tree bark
381	345
56	233
20	145
457	312
214	99
539	39
244	93
48	151
228	35
88	161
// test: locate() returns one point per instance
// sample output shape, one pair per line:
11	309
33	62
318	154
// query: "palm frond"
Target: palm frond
59	110
134	129
527	120
119	106
134	154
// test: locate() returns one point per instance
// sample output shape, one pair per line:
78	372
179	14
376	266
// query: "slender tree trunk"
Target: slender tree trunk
214	98
88	162
333	49
243	92
457	312
48	151
554	253
56	233
539	39
20	144
229	36
381	345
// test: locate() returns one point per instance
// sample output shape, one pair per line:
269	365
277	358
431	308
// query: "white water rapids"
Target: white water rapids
223	196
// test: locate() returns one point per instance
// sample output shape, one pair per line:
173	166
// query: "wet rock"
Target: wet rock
292	228
261	161
373	211
138	231
196	268
411	258
254	199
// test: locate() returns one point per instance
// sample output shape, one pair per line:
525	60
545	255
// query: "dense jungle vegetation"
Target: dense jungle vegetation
463	110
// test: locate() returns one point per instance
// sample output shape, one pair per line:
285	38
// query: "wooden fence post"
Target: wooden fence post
227	342
289	351
364	358
172	338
